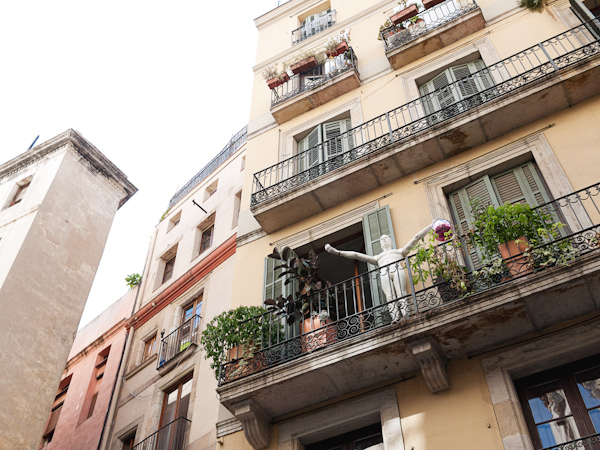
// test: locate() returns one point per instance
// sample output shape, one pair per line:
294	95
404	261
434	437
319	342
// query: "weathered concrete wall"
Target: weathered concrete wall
44	292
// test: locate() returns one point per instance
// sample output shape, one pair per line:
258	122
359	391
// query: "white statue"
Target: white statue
393	278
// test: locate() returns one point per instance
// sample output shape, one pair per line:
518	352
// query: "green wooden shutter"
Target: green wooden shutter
375	224
311	144
274	286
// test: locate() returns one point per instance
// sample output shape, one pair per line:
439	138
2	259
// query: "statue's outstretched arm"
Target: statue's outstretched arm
420	235
351	255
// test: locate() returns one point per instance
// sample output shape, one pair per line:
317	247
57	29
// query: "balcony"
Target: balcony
532	84
366	339
439	27
170	437
315	87
312	28
589	442
178	345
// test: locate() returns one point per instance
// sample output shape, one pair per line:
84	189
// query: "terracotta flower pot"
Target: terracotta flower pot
431	3
339	50
304	65
322	336
512	254
405	14
277	81
241	365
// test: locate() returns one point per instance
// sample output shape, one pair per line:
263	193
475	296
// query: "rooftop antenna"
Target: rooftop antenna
194	202
34	141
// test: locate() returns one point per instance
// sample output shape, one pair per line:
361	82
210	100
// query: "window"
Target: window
447	95
332	139
175	405
243	163
190	319
129	441
97	379
362	439
313	24
237	201
21	189
562	404
169	266
149	348
521	184
174	221
59	400
207	237
210	189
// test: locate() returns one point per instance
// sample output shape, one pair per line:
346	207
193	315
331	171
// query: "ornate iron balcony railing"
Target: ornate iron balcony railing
399	124
401	34
315	77
585	442
360	304
170	437
312	28
179	340
232	146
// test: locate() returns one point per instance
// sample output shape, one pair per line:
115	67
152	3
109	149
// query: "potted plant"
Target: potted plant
401	15
235	336
312	305
337	45
415	20
550	249
273	77
441	262
303	62
509	229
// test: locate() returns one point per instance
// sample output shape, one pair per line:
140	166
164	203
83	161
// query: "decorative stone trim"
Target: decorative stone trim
432	362
228	426
255	422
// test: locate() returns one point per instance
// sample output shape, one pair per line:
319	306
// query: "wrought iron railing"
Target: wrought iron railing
584	442
399	124
428	20
170	437
232	146
315	27
179	340
376	299
315	77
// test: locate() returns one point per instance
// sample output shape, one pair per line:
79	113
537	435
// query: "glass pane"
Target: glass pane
186	389
558	432
188	312
169	415
588	383
548	404
595	416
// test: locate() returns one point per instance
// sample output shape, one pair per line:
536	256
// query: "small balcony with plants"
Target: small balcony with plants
178	345
172	436
514	271
463	114
417	30
313	78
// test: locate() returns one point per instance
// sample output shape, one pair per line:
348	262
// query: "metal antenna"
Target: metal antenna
34	141
194	202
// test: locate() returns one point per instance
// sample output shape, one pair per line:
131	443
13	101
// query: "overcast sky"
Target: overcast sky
158	87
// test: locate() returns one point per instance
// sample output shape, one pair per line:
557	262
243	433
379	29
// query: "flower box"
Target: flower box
431	3
405	14
304	65
277	81
339	50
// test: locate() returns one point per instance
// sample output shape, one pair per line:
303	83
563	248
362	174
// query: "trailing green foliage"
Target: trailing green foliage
533	5
238	327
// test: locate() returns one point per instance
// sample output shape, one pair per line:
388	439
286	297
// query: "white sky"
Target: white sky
158	87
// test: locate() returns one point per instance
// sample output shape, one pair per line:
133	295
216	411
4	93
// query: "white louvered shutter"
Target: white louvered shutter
335	138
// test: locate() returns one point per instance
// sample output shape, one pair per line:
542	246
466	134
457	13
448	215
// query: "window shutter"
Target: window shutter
375	224
426	98
53	419
483	78
332	143
310	144
273	285
466	83
444	95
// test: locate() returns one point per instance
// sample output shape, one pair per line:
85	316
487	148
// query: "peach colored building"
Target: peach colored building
80	408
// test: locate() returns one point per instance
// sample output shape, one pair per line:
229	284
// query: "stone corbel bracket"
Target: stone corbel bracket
256	424
432	362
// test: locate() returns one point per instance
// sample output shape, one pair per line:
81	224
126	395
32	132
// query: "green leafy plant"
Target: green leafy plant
491	272
388	24
133	280
164	214
439	260
559	252
240	327
305	272
498	225
273	72
533	5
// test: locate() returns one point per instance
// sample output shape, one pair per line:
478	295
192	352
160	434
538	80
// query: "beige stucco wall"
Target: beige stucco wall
44	291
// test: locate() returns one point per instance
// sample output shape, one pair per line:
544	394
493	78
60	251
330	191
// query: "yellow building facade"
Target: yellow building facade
400	125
